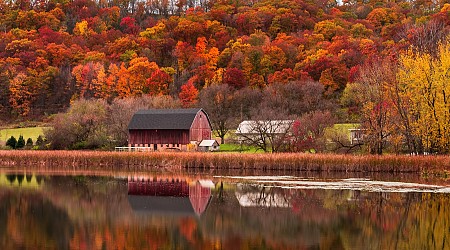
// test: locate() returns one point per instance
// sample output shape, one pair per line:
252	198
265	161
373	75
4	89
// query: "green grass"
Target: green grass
228	147
31	132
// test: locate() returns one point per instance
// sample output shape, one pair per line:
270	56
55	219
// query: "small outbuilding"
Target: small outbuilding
208	145
168	129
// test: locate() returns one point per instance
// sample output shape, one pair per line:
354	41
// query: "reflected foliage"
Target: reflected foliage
86	212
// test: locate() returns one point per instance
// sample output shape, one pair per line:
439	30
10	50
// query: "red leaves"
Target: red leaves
234	78
129	26
158	83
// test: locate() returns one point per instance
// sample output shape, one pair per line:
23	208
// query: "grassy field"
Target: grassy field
31	132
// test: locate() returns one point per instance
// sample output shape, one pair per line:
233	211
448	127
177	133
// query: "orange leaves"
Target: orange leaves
189	93
85	76
20	94
141	76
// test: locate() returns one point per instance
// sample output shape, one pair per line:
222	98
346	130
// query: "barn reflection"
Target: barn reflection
170	196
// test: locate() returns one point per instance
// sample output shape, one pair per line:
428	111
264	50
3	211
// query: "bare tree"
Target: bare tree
267	134
377	110
217	100
426	37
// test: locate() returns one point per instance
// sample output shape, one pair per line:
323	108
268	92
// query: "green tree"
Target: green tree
29	142
11	142
20	142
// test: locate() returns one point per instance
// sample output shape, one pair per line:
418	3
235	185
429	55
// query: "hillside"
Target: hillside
52	52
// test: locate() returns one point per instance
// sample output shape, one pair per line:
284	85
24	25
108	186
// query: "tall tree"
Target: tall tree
425	82
217	100
189	94
377	110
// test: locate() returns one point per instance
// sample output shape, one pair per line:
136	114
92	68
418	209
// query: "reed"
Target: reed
138	161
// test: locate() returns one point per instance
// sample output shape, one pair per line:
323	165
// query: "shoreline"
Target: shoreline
289	162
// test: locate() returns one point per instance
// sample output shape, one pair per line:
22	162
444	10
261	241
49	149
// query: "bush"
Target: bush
11	142
20	142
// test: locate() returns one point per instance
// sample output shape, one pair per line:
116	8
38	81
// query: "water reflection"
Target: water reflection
174	196
25	181
101	212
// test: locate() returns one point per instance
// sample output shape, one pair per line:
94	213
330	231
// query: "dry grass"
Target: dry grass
135	161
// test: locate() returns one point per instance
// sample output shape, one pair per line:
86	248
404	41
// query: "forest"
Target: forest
383	64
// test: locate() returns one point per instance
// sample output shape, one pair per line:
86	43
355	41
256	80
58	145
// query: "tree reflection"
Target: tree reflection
29	221
94	213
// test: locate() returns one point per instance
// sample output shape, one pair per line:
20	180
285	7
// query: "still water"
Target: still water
222	211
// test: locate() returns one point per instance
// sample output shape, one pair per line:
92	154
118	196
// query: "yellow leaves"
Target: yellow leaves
318	54
328	29
154	32
169	70
81	28
94	56
218	76
238	45
424	81
214	26
359	30
19	45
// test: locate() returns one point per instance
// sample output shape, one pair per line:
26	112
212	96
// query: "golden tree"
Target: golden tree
425	82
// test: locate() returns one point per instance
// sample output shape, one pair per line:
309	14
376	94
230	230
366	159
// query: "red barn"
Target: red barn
162	129
170	196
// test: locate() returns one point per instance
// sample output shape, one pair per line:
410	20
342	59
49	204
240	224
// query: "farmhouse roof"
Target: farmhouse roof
164	118
266	126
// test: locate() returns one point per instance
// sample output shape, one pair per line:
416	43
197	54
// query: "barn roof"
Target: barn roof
164	118
161	205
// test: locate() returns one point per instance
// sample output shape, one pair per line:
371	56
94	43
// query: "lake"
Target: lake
222	210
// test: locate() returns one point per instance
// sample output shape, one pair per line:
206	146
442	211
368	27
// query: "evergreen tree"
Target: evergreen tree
11	142
29	142
40	140
20	142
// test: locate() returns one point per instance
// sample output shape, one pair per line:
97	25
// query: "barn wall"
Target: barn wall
200	129
159	136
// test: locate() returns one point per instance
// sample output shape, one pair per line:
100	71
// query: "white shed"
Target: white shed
208	145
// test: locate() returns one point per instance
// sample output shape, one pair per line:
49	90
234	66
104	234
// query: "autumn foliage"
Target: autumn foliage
55	53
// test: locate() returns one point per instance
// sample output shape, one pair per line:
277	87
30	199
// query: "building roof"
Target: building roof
270	127
208	143
164	118
161	205
165	197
